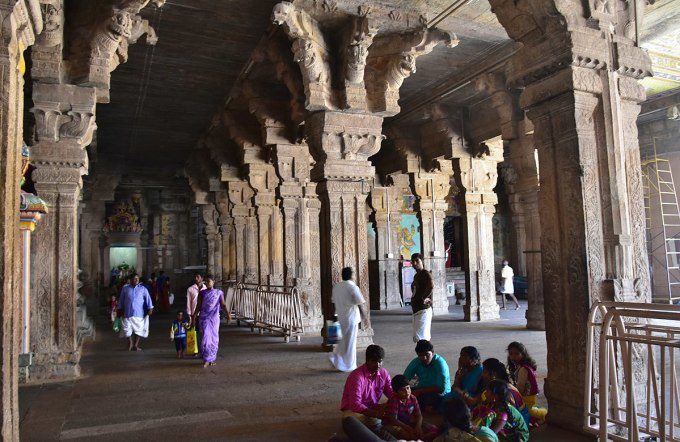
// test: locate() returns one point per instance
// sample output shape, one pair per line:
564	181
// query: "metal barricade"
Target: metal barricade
631	394
279	311
245	304
276	309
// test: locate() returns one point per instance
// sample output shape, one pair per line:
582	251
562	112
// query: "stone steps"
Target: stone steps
457	277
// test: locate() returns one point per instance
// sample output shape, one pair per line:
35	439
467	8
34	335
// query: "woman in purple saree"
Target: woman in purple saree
208	310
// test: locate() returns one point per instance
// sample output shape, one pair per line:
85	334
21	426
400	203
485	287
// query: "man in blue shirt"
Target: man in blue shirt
428	375
134	307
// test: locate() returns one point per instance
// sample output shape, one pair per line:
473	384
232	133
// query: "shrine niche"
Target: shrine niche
122	251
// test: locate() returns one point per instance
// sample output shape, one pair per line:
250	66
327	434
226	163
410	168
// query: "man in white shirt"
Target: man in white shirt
192	294
348	302
507	286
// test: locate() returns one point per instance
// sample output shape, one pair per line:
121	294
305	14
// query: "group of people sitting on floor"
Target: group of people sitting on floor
487	401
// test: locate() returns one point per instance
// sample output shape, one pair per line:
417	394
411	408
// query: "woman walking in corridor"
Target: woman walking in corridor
208	311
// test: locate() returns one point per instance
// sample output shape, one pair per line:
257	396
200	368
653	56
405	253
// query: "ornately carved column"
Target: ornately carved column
262	178
432	189
521	179
227	231
300	229
524	205
22	21
478	176
212	232
582	97
386	203
240	195
64	126
342	143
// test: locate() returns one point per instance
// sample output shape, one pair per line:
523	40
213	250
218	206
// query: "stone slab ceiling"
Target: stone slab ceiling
163	97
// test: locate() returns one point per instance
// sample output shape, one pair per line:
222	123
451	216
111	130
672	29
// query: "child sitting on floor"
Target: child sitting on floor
501	416
178	333
460	428
402	416
523	371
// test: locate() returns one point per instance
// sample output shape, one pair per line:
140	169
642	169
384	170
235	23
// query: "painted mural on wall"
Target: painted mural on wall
409	235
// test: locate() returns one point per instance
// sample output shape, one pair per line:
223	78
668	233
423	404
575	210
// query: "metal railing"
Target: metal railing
631	393
276	309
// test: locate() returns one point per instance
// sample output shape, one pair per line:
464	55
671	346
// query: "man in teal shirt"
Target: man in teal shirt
428	375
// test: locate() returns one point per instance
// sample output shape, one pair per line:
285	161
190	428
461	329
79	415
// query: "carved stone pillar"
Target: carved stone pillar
524	205
432	190
64	126
262	178
521	178
214	239
227	231
22	20
386	202
300	229
342	144
240	196
478	176
582	96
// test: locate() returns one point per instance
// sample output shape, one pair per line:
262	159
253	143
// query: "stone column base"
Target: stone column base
54	366
438	311
484	313
563	412
535	319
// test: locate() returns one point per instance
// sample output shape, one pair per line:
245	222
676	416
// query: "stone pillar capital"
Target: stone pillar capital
64	112
342	143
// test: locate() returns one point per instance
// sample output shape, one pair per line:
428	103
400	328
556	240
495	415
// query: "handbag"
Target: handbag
192	342
333	331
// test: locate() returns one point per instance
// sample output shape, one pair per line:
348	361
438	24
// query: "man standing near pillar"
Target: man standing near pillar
135	307
507	286
421	302
347	299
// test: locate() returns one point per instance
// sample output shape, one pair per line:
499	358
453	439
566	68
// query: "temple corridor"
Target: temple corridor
528	147
261	389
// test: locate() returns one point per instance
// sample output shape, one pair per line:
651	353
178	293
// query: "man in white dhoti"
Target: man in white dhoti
134	307
348	307
507	286
421	301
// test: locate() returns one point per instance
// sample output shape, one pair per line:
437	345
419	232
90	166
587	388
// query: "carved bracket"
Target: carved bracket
393	59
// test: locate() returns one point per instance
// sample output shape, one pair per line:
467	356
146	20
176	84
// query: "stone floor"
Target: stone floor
261	388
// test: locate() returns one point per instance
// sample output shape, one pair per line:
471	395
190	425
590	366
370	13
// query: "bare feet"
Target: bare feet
205	364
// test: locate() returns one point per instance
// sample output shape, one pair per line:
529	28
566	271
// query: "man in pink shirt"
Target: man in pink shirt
192	293
364	388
